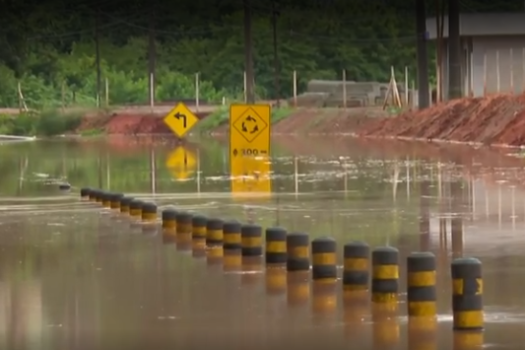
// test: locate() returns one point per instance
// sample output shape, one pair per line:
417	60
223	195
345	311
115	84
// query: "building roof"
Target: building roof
482	24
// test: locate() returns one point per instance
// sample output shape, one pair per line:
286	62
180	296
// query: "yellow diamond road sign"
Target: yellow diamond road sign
180	120
250	125
181	162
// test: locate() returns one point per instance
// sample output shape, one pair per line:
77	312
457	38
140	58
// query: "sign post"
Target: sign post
250	129
180	120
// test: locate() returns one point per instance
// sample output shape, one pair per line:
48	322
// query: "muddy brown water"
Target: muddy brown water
75	276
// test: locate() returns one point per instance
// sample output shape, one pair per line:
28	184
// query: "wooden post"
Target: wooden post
197	91
106	89
511	69
485	74
63	95
498	78
523	69
295	88
471	74
152	92
344	89
245	87
406	87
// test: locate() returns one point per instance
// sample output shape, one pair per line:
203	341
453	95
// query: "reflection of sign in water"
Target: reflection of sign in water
250	176
180	120
181	163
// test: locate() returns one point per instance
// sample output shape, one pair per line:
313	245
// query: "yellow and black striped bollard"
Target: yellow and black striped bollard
85	193
298	252
276	246
93	195
324	276
99	194
106	199
385	289
169	220
232	246
149	218
135	209
356	275
198	236
467	295
184	228
115	201
214	241
275	260
385	275
251	250
124	205
421	301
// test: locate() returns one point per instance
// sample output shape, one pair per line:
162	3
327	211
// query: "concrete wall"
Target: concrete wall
490	57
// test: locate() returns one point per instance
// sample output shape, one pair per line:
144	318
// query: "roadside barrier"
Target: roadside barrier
296	266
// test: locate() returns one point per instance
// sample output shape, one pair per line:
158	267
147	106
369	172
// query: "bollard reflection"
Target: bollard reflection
198	247
184	241
149	229
297	287
214	255
169	236
422	333
252	270
468	340
324	301
232	260
356	305
275	279
385	329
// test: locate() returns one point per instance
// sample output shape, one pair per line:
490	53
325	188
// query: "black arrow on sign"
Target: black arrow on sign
180	116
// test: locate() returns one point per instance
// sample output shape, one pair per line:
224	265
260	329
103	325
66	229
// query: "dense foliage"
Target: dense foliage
49	47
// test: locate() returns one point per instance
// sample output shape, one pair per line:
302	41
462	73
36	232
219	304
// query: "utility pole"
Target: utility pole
152	55
422	56
248	52
97	56
454	51
275	13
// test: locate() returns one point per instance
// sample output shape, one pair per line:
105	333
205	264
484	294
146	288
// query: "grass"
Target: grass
49	122
222	116
92	132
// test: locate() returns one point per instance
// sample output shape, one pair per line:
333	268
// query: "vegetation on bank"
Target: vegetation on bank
45	123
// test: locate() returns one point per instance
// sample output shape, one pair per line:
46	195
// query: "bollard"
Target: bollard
356	266
214	233
251	237
355	310
298	287
232	260
252	268
99	197
467	292
149	212
198	229
124	204
184	222
106	199
298	252
198	235
276	245
385	275
135	208
232	235
275	280
115	201
85	193
421	285
169	219
93	195
324	260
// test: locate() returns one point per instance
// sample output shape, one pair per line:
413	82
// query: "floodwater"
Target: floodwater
75	276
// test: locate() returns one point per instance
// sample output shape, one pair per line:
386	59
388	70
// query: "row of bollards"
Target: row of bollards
235	244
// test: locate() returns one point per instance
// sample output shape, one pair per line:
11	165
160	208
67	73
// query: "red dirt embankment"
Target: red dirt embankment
492	120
